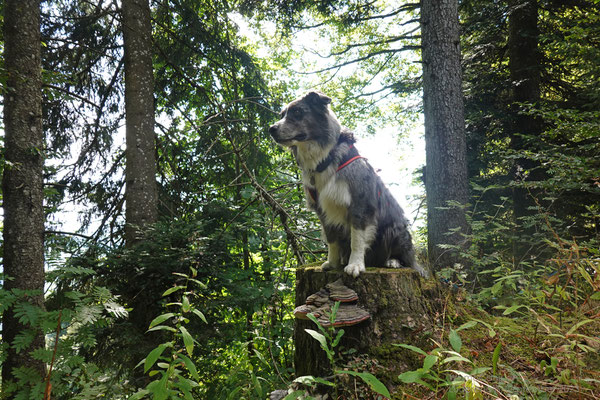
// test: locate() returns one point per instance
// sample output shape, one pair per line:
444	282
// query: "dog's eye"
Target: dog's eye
296	113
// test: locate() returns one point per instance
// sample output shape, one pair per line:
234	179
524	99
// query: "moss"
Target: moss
314	265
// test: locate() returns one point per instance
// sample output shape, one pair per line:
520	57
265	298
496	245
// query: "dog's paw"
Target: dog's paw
328	266
355	269
393	263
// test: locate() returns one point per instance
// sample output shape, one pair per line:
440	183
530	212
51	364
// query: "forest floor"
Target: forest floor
515	353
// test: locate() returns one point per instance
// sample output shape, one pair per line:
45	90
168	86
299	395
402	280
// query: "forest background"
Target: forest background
208	262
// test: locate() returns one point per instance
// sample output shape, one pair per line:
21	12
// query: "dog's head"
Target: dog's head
306	119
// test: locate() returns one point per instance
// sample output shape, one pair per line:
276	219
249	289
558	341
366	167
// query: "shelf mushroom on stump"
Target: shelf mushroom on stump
380	308
319	305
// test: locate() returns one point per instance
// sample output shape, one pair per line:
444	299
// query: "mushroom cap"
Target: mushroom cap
347	315
319	305
318	299
339	292
301	311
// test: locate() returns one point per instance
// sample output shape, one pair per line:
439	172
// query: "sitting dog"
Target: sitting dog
362	223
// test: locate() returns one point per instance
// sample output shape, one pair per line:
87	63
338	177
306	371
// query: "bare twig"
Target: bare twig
68	234
359	59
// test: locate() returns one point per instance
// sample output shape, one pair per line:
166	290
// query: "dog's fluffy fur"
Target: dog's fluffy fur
362	223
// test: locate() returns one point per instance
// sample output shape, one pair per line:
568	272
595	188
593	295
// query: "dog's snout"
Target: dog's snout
273	130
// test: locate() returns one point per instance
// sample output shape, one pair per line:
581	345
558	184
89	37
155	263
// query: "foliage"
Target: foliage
70	323
329	338
438	375
480	363
233	215
170	363
361	54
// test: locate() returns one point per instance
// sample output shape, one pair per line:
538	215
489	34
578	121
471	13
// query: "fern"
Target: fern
27	313
23	340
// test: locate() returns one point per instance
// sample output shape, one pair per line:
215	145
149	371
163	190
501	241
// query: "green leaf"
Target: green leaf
171	290
319	337
429	362
190	366
375	384
257	386
452	392
153	356
512	309
496	357
337	339
185	304
305	380
161	318
410	376
200	315
491	331
294	395
200	284
410	347
455	340
159	388
456	358
162	328
467	325
139	394
188	341
316	321
261	358
233	395
462	374
595	296
324	382
578	325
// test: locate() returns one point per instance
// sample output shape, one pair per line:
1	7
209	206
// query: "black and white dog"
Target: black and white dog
362	223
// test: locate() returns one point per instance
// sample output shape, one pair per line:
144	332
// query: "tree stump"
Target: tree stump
402	308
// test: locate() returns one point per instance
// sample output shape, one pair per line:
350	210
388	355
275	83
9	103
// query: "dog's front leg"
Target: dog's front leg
360	240
333	257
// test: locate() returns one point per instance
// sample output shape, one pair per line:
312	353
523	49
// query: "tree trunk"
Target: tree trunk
446	166
401	309
22	183
141	193
524	67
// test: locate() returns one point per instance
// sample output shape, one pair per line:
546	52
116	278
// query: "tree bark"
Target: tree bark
445	142
402	307
22	183
141	192
524	67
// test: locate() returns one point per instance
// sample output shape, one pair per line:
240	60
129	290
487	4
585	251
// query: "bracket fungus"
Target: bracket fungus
319	305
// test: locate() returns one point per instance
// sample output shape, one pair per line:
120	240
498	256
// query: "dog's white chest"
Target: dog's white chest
333	197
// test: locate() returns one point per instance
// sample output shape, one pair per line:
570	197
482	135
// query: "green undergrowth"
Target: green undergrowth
477	354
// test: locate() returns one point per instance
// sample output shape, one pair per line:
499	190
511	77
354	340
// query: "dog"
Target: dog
363	224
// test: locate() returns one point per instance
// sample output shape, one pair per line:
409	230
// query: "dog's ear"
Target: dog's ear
318	98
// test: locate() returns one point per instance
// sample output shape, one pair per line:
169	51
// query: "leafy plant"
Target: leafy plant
71	322
170	363
437	374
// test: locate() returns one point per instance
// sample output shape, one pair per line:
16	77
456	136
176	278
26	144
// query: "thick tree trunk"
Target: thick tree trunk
401	309
22	182
524	67
446	166
141	193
